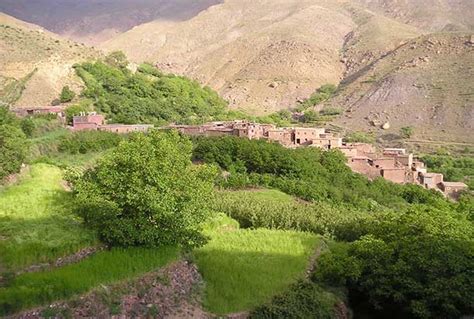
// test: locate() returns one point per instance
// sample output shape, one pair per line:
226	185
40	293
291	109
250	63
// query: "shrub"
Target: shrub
67	95
147	193
76	109
406	132
88	141
360	137
303	299
415	263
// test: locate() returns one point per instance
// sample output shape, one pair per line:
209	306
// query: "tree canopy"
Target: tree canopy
147	192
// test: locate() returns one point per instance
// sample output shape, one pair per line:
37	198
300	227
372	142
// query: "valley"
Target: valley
236	159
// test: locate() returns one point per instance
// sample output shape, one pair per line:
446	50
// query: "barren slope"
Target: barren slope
28	52
426	84
262	55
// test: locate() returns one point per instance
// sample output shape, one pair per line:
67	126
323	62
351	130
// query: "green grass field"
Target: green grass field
245	268
36	223
103	268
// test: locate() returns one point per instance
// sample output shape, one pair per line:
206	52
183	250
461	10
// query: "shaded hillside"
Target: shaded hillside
263	55
92	21
35	64
425	83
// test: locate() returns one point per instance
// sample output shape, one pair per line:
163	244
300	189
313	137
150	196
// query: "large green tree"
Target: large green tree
147	192
13	144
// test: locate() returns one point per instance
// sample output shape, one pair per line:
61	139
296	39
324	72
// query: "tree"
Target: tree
13	144
67	95
13	148
147	192
415	263
117	59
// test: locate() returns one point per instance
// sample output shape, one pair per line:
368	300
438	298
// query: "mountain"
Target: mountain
93	21
35	64
263	55
425	83
428	15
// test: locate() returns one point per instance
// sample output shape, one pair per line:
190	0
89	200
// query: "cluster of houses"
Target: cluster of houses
395	165
94	121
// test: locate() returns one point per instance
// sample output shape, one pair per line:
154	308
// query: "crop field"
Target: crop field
36	223
106	267
245	268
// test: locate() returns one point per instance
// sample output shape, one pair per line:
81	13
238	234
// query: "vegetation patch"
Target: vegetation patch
245	268
106	267
36	221
146	96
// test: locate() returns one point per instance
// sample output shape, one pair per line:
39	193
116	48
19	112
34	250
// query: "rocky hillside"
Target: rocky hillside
35	64
429	15
264	55
425	83
93	21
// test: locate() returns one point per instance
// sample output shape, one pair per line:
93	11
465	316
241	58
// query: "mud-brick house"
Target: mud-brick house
396	175
29	111
285	137
90	121
124	129
452	189
431	180
306	136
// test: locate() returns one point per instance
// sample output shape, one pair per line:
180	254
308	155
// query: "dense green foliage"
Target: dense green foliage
146	192
455	169
260	211
105	267
244	268
147	96
411	250
67	95
414	263
36	220
88	141
302	300
13	144
297	171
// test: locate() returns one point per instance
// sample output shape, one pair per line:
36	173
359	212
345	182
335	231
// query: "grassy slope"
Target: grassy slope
36	224
33	289
245	268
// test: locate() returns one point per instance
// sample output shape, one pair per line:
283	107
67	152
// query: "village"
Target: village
393	164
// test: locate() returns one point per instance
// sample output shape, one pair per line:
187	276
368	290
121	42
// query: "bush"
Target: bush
302	300
360	137
67	95
147	193
415	263
322	94
88	141
76	109
406	132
